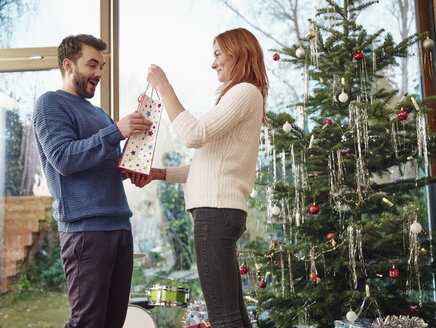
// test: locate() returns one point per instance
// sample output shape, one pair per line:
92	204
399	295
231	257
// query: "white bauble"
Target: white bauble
300	52
253	194
416	227
275	210
351	316
343	97
287	127
428	44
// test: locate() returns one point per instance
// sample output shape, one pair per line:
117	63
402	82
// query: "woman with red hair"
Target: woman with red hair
222	172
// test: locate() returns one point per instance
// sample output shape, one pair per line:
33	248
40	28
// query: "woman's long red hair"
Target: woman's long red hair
248	65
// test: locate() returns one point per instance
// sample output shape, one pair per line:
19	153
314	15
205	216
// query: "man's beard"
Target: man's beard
80	83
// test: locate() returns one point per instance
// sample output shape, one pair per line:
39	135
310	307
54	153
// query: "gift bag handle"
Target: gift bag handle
145	92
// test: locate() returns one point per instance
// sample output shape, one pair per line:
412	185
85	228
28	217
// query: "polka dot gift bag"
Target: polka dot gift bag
138	150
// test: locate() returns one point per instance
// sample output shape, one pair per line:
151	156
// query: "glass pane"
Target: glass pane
406	76
177	35
44	23
25	203
18	92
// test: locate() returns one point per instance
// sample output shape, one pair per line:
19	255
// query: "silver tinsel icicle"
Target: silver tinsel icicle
269	203
352	257
399	322
299	115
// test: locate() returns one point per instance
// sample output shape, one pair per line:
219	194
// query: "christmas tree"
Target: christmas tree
344	188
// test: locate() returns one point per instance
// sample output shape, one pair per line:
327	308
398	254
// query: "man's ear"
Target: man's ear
68	65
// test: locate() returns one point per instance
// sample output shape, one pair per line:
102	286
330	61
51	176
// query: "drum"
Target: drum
137	317
168	296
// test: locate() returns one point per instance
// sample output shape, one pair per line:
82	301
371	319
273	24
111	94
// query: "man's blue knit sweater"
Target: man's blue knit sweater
78	144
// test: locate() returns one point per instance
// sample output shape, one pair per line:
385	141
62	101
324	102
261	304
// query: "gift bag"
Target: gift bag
138	152
197	317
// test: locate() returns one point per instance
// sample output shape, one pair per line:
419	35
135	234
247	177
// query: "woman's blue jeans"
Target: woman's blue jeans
216	231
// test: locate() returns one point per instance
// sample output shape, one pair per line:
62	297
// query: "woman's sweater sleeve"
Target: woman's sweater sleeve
177	174
232	108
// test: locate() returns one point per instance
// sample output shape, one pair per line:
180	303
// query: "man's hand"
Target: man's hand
133	124
139	180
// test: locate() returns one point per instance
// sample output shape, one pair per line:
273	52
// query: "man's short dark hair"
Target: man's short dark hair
70	47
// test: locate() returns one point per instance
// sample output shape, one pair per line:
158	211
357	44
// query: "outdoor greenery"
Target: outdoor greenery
177	222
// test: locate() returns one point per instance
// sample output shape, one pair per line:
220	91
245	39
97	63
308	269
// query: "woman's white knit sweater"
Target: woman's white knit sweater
226	139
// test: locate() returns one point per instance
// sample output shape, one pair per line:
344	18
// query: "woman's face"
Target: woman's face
222	63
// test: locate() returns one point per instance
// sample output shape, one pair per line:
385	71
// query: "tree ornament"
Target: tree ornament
402	114
313	276
314	209
416	227
275	210
351	316
287	127
312	138
348	154
276	57
387	201
331	237
262	283
300	52
253	193
394	273
428	44
243	269
343	97
327	123
310	33
358	55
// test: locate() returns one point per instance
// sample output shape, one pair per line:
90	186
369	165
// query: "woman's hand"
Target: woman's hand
157	78
139	180
158	81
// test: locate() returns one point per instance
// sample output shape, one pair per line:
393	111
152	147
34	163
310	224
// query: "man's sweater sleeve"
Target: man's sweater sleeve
56	132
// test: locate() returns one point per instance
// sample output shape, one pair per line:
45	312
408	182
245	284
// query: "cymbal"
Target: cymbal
138	256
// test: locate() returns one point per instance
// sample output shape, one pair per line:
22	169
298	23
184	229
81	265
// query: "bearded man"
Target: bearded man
79	147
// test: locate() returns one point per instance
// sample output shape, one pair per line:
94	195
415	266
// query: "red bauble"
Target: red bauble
314	209
312	276
348	154
331	235
276	57
262	284
394	273
358	55
402	114
329	122
243	269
